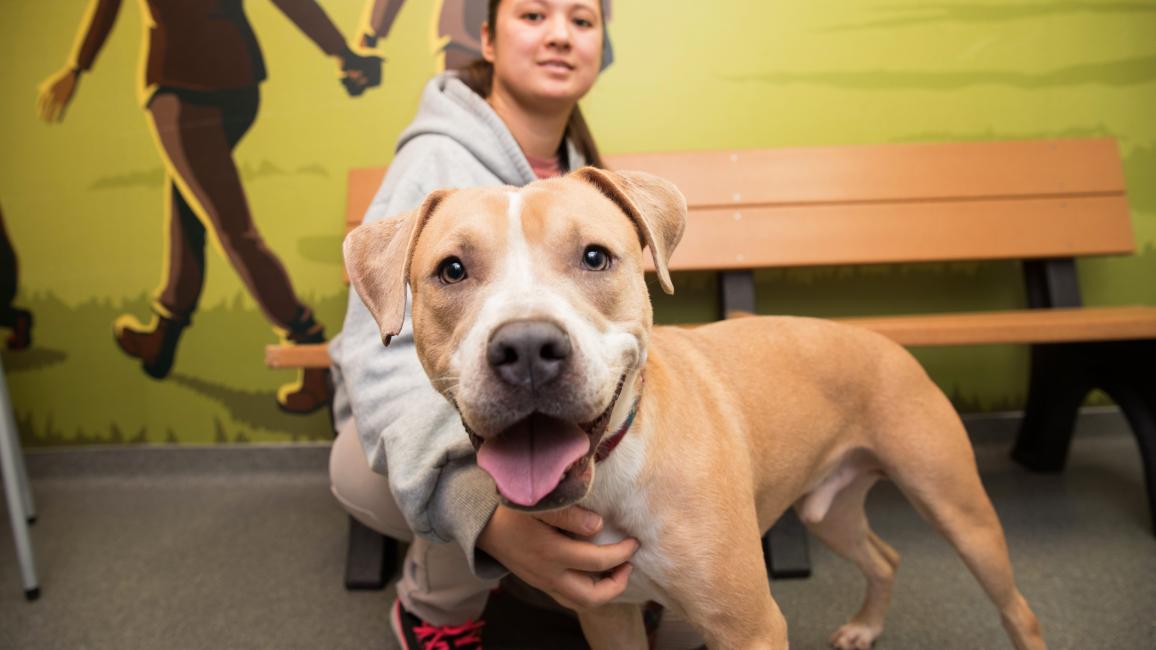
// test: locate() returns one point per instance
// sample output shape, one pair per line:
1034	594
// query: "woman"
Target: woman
507	120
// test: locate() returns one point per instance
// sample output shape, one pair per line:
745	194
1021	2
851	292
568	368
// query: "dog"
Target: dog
531	315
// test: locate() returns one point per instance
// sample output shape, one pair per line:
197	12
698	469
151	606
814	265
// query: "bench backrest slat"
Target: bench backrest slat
363	185
891	172
883	203
768	237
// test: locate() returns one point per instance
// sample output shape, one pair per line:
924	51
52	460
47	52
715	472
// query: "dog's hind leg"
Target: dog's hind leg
945	488
843	528
614	626
961	510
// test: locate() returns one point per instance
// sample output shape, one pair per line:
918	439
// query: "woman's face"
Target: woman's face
545	52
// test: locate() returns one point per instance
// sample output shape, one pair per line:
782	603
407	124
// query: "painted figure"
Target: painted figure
202	70
19	321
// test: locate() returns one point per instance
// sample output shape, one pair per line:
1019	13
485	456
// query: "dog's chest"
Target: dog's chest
651	565
624	502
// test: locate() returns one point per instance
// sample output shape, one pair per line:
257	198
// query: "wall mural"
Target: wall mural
200	89
230	191
13	318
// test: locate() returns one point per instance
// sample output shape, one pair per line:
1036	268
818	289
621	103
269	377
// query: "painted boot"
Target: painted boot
154	344
21	336
313	389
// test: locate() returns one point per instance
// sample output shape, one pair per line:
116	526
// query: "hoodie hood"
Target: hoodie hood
448	108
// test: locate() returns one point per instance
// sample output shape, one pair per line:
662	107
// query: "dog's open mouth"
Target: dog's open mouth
541	455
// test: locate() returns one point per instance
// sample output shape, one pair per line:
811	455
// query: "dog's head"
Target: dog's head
530	309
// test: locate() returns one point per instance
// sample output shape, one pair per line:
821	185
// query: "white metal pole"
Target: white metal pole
16	490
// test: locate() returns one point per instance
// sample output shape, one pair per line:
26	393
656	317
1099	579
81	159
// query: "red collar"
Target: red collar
610	443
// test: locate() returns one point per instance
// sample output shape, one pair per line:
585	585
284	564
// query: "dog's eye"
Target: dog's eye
595	258
451	270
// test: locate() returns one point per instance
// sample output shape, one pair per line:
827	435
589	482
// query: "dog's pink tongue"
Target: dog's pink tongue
527	461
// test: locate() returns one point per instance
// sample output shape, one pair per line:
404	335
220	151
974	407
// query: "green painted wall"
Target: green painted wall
82	200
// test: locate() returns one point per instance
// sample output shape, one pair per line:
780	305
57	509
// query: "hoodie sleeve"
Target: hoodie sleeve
408	430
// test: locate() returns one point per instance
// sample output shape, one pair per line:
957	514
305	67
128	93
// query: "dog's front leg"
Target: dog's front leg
721	582
614	626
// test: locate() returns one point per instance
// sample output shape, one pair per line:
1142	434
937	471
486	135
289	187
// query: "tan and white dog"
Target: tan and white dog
531	315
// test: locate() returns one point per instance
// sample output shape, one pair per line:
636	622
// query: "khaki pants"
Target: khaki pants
436	585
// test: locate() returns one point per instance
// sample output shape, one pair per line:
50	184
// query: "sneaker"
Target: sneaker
651	619
415	634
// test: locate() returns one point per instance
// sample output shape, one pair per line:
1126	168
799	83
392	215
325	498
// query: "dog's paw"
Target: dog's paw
855	636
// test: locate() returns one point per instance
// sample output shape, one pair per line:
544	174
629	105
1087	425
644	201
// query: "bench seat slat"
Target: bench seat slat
767	237
314	355
974	328
1021	326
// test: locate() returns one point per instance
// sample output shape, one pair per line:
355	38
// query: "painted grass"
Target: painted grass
74	386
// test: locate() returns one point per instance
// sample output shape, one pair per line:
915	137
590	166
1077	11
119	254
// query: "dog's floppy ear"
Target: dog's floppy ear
377	259
656	206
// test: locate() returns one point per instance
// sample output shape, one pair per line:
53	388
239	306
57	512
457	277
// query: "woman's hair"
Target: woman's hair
479	76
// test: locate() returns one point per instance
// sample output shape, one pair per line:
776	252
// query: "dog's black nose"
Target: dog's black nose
528	352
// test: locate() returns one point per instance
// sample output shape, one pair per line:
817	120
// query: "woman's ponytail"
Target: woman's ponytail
579	134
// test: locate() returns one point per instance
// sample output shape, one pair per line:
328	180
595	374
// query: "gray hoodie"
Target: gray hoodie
409	431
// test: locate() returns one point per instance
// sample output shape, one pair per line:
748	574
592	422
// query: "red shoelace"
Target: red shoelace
439	637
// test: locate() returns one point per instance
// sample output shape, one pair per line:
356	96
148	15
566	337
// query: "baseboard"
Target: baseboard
176	460
994	428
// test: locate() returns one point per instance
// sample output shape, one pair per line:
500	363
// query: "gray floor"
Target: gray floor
243	548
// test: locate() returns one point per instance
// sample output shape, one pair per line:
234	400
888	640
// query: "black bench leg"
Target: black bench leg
1132	385
1138	402
1058	387
785	549
371	558
1062	374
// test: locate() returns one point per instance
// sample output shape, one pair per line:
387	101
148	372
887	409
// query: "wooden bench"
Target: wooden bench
1043	203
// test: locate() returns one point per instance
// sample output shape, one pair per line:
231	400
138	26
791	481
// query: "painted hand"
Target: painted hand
55	94
359	72
578	574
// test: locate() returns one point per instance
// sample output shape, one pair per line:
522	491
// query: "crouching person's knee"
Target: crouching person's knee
361	491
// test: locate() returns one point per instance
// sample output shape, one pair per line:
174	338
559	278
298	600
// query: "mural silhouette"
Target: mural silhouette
18	320
200	89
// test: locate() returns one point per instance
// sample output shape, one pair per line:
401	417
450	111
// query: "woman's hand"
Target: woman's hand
578	574
55	94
